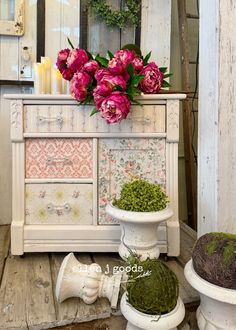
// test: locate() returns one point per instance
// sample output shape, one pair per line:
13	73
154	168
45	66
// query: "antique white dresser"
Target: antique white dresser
67	166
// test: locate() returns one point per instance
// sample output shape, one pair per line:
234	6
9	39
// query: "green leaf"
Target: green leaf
163	69
137	79
93	112
110	54
133	47
70	43
102	60
137	102
130	70
146	59
168	75
165	84
90	56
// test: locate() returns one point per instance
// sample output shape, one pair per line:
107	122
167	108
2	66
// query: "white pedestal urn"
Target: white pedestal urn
139	231
141	321
76	279
217	310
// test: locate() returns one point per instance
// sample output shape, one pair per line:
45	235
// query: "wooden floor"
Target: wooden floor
27	299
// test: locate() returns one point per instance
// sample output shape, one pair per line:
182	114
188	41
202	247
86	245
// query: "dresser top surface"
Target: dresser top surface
65	98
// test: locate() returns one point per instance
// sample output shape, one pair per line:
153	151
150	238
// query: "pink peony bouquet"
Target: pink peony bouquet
112	84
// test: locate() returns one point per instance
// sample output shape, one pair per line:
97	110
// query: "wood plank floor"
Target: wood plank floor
27	299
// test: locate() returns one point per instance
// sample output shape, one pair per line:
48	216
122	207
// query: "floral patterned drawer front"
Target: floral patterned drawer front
58	158
56	118
59	204
120	159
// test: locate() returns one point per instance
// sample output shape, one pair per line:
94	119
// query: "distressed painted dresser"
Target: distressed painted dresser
68	165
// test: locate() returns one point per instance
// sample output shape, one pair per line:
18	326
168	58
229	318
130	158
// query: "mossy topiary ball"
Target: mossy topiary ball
155	294
214	259
141	196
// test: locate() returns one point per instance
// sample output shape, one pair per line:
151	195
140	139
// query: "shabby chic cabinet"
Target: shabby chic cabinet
68	165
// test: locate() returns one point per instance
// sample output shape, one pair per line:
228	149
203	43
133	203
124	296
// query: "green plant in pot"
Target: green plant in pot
212	271
141	207
152	297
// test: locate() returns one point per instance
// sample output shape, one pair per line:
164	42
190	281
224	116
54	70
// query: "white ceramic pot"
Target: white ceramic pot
139	231
217	310
141	321
86	281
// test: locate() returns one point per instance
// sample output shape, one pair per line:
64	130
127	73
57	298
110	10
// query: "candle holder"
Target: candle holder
87	282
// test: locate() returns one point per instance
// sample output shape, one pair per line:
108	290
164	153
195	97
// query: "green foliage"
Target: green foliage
120	18
141	196
156	293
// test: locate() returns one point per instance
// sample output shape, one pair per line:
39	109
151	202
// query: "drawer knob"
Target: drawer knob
58	119
52	208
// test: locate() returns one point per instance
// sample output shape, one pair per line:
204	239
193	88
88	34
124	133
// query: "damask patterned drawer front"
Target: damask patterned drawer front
56	118
58	204
58	158
121	159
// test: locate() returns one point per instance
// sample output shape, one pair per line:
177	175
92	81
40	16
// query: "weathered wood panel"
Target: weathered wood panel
62	21
217	117
155	30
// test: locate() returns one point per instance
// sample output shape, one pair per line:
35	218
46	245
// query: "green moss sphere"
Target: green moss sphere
155	294
141	196
214	259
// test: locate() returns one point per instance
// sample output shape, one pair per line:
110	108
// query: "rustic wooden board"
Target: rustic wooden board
13	295
188	238
4	246
40	311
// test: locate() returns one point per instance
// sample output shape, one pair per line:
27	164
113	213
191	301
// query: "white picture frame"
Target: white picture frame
14	27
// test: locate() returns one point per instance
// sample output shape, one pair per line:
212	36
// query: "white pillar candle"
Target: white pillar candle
56	81
47	64
39	78
65	86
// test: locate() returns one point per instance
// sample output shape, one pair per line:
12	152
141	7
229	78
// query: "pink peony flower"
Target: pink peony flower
125	56
115	66
103	88
67	74
77	58
114	80
137	64
91	67
115	107
62	58
153	79
98	99
101	73
79	84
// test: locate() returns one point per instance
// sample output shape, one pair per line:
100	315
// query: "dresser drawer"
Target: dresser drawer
58	158
70	118
58	204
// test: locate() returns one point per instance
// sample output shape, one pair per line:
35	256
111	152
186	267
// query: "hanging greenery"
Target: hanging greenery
120	18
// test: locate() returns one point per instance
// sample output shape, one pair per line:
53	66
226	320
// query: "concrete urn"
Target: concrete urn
217	310
87	282
139	231
141	321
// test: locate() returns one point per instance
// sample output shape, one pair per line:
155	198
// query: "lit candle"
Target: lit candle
39	78
47	62
56	81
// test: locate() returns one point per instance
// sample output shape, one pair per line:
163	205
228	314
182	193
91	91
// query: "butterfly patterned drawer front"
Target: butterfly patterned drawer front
122	159
58	204
76	119
58	158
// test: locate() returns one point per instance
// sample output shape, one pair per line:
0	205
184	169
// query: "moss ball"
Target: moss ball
156	293
214	259
141	196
